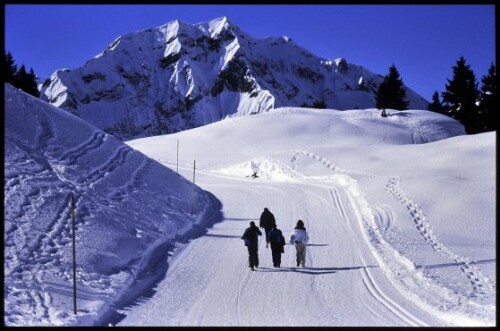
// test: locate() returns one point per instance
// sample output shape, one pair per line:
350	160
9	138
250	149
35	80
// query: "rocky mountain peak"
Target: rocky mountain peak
179	76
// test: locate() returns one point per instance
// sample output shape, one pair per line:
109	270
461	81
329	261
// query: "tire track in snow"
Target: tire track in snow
135	181
116	160
479	283
95	141
368	279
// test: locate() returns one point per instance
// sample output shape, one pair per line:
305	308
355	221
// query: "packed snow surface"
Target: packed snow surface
400	212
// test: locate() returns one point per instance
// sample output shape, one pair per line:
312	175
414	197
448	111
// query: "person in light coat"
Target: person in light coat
300	238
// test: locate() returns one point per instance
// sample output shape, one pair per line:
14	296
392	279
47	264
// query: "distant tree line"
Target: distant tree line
461	100
19	77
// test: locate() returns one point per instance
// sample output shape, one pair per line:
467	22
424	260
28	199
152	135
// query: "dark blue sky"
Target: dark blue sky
422	41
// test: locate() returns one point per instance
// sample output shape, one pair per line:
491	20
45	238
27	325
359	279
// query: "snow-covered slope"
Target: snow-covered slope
400	211
130	212
179	76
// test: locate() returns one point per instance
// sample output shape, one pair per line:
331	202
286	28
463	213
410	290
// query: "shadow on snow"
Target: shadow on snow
311	270
222	236
144	286
241	219
445	265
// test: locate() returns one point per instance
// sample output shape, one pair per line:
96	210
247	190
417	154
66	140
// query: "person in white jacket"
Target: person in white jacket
300	238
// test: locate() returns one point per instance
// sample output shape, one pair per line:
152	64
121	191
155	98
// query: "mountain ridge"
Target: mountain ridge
180	76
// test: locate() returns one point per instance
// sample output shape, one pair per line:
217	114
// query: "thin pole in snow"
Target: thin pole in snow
192	201
177	155
73	211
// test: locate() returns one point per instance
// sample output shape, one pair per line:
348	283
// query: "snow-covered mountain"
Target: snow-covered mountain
179	76
130	211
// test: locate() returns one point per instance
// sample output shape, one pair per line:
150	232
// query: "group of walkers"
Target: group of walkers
275	238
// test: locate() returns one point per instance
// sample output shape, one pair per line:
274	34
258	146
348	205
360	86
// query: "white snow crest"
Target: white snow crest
217	25
263	167
170	30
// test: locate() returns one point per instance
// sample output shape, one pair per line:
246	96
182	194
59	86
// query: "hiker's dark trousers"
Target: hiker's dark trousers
276	251
253	255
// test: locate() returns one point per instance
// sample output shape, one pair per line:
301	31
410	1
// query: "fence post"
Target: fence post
192	201
73	211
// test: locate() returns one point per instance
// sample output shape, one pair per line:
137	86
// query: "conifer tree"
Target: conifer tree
461	95
19	78
10	68
488	97
436	105
30	84
391	92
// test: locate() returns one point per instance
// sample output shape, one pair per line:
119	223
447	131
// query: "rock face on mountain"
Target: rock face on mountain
180	76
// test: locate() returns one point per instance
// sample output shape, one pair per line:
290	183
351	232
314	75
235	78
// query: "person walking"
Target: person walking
251	237
300	238
277	242
267	221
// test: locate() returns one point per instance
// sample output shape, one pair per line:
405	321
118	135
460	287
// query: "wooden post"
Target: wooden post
177	155
192	201
73	211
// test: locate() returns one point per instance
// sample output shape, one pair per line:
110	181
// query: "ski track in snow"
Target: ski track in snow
368	280
479	283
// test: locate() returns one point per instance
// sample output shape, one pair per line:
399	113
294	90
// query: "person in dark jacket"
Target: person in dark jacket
251	237
267	221
277	241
